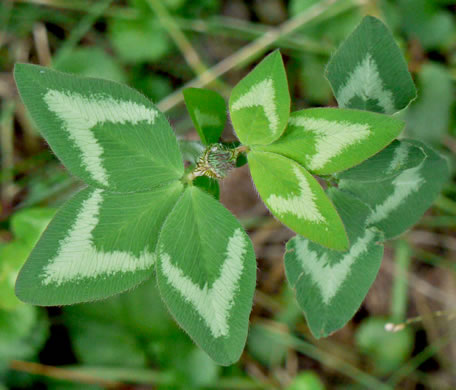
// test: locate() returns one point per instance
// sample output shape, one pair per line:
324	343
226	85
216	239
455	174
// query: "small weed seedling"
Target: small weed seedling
143	213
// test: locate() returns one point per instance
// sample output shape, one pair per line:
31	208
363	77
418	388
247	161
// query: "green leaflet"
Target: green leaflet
91	61
386	351
23	332
399	202
13	256
208	112
369	72
99	244
297	199
329	140
260	103
120	326
26	226
330	286
131	39
107	134
206	274
387	164
428	117
428	22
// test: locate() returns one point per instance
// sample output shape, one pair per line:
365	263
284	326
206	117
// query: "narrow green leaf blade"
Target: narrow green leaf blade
330	286
297	199
387	164
399	202
329	140
99	244
260	103
206	274
208	112
107	134
369	72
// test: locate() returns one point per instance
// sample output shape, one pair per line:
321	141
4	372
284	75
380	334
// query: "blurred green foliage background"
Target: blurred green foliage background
159	46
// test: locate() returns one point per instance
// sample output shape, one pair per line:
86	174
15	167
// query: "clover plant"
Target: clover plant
144	214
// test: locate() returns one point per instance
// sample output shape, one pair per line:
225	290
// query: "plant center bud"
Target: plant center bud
216	161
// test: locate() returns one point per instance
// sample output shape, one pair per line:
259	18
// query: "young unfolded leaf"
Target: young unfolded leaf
330	286
206	273
297	199
399	202
208	112
99	244
387	164
369	72
328	140
107	134
260	103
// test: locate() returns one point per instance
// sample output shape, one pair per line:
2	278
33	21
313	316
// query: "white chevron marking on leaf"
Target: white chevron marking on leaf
329	278
399	158
213	303
366	83
303	205
332	137
405	185
77	258
205	119
263	95
80	114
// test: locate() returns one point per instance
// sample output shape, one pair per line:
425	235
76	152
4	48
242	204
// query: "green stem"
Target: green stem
400	286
